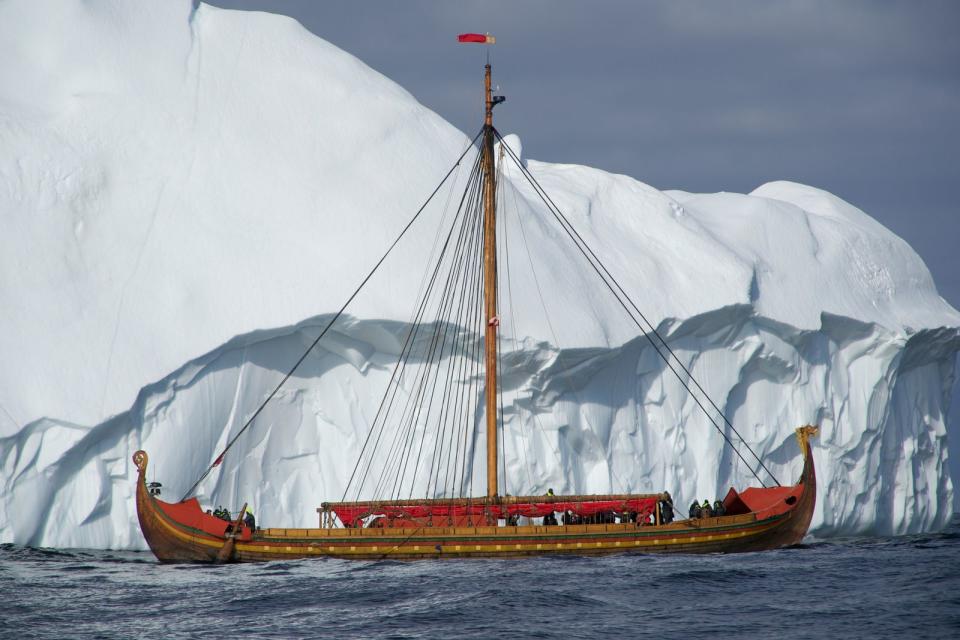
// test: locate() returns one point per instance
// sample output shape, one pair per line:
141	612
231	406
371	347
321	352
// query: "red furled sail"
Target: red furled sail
350	515
480	38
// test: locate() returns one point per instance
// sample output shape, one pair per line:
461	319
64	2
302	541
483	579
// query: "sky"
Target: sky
860	98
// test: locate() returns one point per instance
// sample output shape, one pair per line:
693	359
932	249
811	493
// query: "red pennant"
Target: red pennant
477	37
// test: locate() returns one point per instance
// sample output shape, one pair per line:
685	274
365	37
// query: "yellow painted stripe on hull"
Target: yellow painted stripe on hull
484	549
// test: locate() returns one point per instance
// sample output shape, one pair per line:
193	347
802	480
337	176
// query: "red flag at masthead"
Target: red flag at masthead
477	37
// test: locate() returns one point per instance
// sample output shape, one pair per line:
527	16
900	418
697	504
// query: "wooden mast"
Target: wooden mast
490	288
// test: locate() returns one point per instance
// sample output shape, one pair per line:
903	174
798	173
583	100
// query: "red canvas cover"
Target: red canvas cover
189	513
350	515
765	502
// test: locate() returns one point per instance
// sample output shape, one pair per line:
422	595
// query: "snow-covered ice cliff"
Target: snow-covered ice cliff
185	192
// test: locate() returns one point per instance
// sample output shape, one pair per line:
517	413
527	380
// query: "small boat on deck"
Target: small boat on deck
440	525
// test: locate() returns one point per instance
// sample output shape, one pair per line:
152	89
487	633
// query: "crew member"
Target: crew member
550	519
666	508
706	511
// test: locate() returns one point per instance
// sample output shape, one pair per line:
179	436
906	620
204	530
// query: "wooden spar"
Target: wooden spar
490	289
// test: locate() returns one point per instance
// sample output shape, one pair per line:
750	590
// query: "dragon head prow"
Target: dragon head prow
804	434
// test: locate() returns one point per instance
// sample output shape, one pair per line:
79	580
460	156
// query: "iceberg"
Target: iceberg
188	193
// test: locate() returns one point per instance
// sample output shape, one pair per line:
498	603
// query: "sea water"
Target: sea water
900	587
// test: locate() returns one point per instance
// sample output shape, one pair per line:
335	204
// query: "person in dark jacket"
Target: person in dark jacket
666	508
706	511
718	508
695	509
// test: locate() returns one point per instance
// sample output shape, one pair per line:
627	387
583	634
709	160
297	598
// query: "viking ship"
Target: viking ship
454	383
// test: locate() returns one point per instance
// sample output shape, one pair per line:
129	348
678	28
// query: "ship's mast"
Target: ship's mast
490	286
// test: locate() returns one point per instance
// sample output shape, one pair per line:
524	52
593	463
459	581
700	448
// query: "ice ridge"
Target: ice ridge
579	420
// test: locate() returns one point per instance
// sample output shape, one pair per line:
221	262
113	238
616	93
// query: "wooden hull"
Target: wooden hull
182	533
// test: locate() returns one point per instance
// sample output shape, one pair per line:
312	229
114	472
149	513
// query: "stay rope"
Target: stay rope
333	320
663	349
393	386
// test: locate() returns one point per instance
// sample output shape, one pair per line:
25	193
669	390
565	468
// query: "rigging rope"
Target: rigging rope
450	404
452	296
470	367
502	424
513	317
607	279
459	308
404	356
559	347
546	314
397	462
297	364
438	340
